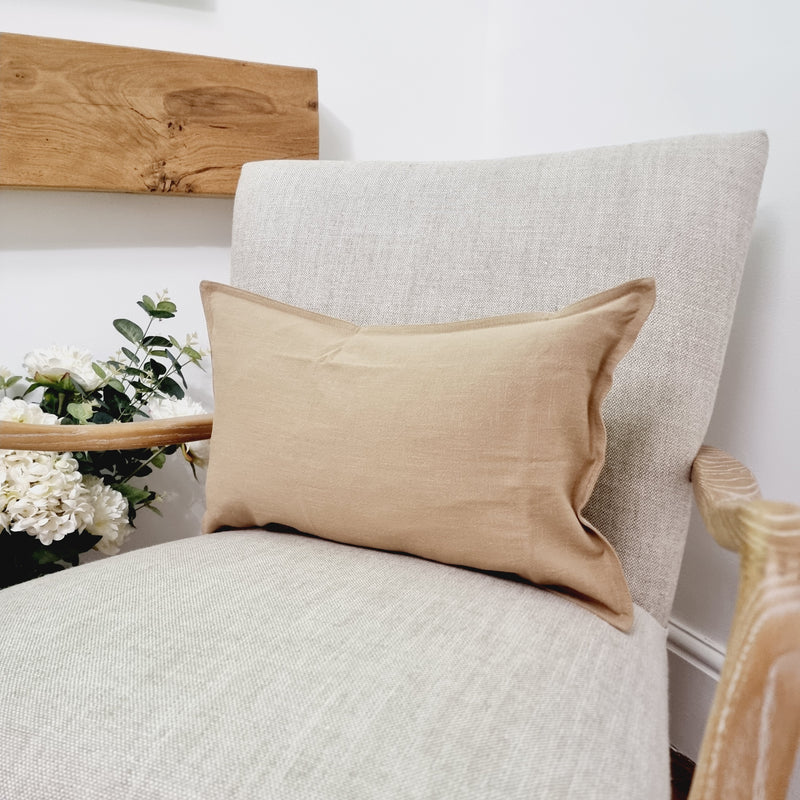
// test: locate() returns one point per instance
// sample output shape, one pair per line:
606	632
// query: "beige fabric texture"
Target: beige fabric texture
411	242
252	665
475	443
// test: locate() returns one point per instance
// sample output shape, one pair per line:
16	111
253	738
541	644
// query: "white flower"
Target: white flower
42	494
5	372
196	453
56	361
169	407
109	515
20	411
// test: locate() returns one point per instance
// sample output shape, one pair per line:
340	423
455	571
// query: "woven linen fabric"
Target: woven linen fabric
474	443
271	666
401	243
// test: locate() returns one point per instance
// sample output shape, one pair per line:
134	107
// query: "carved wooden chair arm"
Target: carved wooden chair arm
115	436
753	730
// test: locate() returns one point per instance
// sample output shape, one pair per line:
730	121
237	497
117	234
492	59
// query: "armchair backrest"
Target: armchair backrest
400	242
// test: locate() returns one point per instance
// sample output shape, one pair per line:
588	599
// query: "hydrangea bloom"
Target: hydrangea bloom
109	515
168	407
42	494
54	362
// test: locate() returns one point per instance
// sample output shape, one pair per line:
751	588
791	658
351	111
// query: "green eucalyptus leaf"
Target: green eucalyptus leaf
178	369
146	303
156	367
158	460
98	370
80	411
129	354
171	388
116	403
192	353
135	495
130	330
138	373
142	471
113	388
156	341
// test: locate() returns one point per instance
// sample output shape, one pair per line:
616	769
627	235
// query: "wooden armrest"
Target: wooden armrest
753	731
115	436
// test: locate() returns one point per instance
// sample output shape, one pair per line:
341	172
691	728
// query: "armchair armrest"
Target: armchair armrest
753	731
120	436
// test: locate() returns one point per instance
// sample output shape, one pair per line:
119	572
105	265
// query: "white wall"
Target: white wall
451	79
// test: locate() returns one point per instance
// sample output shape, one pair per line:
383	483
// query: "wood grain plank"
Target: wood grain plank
75	115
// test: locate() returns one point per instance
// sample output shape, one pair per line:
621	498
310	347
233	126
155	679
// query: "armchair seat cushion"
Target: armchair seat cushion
257	664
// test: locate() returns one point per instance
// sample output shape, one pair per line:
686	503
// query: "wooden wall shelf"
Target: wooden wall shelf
75	115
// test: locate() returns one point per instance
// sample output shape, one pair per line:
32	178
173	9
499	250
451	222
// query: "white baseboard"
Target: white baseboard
694	668
688	644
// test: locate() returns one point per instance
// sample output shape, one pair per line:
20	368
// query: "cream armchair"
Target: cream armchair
261	662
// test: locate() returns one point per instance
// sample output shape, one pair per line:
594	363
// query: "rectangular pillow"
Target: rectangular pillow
471	443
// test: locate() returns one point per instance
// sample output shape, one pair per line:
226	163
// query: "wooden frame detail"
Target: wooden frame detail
120	119
120	436
753	732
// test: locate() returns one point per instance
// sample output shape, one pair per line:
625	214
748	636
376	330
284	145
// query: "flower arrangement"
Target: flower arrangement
56	506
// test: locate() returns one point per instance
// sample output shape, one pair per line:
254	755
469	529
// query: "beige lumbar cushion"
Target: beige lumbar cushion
471	443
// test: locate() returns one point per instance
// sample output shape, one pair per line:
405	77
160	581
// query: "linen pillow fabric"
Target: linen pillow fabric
473	443
388	242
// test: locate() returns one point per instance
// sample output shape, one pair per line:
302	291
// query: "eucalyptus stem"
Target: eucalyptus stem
137	364
156	453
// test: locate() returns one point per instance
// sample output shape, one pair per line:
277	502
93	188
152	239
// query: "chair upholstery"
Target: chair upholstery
258	664
264	665
433	242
